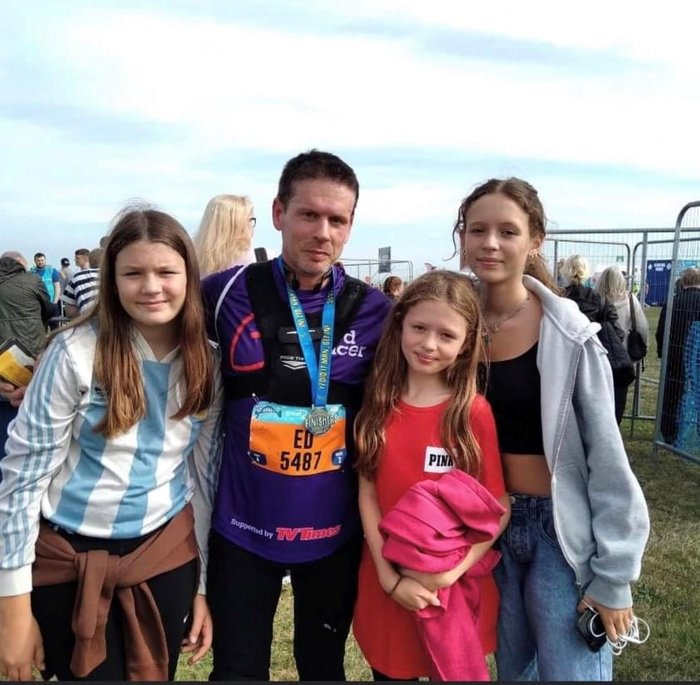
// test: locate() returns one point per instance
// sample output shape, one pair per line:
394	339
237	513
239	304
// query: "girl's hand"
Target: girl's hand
413	596
615	621
199	638
20	639
433	581
9	392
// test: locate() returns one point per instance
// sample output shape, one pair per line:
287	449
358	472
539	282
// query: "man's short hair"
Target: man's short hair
65	261
96	257
314	165
82	252
39	254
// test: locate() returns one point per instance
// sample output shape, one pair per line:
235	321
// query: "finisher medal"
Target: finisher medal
318	421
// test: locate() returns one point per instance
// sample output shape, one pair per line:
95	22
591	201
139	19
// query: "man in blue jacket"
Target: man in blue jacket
49	275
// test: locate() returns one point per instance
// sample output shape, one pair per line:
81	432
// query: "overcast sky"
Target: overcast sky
175	101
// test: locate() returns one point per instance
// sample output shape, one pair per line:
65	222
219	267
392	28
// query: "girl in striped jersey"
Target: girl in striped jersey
106	489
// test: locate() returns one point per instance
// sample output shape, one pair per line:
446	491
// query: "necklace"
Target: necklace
496	325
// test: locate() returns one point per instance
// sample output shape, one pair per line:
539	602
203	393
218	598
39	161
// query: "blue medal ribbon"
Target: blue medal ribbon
319	370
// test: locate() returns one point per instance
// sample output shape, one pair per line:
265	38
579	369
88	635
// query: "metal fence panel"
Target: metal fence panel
368	270
677	425
640	253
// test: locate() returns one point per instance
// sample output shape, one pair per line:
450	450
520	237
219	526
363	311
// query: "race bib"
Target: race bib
279	441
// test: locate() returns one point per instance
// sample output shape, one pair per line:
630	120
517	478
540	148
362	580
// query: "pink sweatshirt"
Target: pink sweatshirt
431	529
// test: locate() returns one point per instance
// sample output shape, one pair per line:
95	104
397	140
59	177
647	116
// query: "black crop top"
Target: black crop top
513	391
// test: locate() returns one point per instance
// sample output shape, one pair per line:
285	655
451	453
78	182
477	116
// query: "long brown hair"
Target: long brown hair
116	368
388	376
525	196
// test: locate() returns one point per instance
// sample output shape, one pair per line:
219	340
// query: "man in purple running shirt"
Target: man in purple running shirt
297	336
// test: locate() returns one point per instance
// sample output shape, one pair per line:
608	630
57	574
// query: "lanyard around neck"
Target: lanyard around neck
319	371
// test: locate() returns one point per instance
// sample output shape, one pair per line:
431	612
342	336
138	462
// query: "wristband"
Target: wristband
393	589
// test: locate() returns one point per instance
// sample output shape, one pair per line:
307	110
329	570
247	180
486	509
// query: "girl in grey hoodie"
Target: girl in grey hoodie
579	521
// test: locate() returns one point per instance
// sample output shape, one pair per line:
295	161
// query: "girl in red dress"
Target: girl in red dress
422	416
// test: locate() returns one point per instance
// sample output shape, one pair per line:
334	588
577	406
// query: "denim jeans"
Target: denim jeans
537	636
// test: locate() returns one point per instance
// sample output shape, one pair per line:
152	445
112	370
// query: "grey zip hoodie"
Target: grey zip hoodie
600	513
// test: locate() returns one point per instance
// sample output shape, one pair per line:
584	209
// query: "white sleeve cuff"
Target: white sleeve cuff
15	581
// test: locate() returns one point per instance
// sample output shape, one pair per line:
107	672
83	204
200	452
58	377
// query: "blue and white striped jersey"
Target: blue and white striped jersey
82	289
124	487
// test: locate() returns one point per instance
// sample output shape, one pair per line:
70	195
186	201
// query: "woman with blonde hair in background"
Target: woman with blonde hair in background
225	235
575	274
599	310
612	287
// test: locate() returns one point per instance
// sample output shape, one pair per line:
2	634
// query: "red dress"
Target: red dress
385	631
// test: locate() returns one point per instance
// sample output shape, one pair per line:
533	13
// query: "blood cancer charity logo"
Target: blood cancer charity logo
348	346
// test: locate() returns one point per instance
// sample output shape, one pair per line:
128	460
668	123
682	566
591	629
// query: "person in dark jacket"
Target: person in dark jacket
575	276
25	309
597	308
684	311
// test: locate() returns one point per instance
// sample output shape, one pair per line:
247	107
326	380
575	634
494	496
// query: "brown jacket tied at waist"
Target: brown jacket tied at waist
100	575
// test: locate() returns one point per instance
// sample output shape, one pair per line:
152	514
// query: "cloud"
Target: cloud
87	126
245	85
178	101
